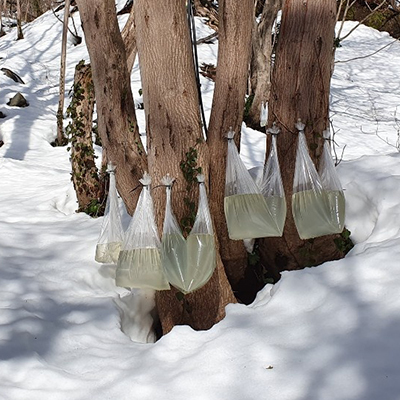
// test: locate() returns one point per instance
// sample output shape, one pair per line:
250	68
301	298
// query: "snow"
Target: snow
66	330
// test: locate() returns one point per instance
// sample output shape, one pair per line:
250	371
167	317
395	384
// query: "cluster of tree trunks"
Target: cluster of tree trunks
299	89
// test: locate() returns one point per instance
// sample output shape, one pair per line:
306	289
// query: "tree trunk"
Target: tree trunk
129	38
300	89
61	139
260	66
2	33
115	107
85	178
175	141
20	35
235	23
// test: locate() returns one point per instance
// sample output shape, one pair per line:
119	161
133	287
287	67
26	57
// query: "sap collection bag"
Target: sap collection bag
310	205
112	233
139	262
246	210
188	263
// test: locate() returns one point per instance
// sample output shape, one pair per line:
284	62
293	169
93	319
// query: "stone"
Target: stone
18	101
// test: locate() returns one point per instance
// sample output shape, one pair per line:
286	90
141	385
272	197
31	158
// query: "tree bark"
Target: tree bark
61	139
2	33
129	39
20	34
174	139
300	89
85	177
260	66
115	106
235	24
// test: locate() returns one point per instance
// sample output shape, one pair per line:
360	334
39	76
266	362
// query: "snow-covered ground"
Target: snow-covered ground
326	333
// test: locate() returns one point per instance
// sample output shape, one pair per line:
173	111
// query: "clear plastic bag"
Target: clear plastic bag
246	212
272	186
190	263
309	202
264	114
139	262
112	233
201	256
174	253
332	186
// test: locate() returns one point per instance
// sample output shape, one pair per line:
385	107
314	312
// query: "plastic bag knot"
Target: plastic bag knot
200	178
300	126
274	130
230	134
167	181
326	134
146	180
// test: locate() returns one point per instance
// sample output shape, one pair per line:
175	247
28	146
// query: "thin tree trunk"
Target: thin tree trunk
84	171
115	107
174	139
61	139
235	23
300	89
20	34
129	38
2	33
260	66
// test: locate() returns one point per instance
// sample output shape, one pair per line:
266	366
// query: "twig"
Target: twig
207	38
368	55
72	33
362	21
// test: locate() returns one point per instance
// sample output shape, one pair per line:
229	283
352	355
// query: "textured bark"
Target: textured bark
84	171
61	139
129	39
20	34
235	24
260	66
300	89
2	33
174	129
115	107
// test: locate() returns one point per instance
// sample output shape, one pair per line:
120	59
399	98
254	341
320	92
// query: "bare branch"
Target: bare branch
362	21
368	55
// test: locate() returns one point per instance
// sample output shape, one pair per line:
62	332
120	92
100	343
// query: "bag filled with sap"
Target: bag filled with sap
309	205
246	212
190	263
332	186
112	233
201	243
174	253
139	262
272	187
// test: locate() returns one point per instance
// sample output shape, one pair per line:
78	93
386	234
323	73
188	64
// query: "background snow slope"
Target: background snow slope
330	332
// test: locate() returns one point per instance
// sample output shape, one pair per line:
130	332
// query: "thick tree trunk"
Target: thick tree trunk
175	140
260	66
235	24
115	107
61	139
129	39
85	175
20	34
300	89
